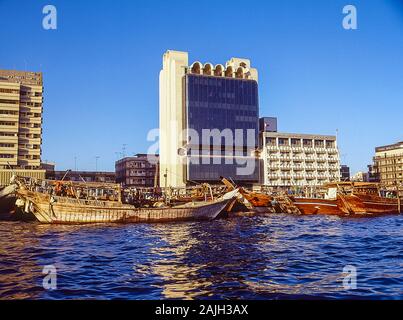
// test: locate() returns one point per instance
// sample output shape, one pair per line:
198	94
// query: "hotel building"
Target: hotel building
388	165
20	124
299	159
200	97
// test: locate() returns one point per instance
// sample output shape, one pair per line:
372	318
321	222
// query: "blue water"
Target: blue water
273	257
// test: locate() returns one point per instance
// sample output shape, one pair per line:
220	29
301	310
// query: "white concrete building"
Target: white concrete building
203	96
299	159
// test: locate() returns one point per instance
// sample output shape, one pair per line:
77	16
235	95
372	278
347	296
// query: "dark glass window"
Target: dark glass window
222	103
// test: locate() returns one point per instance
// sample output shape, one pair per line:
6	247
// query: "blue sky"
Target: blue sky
101	68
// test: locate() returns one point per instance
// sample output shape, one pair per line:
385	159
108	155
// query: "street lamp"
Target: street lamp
96	163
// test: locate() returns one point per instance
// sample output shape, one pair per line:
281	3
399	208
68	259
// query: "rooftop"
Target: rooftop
298	135
23	77
398	145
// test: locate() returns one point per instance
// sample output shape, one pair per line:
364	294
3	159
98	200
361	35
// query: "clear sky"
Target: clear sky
101	68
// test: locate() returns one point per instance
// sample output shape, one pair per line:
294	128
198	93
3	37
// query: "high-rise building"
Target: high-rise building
209	117
299	159
137	171
20	123
388	165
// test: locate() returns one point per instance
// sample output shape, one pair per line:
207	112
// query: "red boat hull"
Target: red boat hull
318	206
361	203
352	204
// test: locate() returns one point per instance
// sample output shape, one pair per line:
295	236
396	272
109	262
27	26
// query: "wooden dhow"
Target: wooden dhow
57	209
350	198
337	198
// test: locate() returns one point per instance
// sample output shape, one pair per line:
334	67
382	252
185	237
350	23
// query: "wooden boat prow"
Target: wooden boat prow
7	202
257	201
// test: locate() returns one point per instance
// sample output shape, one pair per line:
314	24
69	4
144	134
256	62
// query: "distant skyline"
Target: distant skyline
101	68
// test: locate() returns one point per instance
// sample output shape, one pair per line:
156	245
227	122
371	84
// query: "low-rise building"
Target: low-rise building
49	168
299	159
87	176
344	172
137	171
360	176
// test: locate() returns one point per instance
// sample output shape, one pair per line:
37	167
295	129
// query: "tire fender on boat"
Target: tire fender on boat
20	203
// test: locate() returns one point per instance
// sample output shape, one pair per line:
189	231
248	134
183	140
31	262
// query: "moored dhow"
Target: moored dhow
350	198
71	209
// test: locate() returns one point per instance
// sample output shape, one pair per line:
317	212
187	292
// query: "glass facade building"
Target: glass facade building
231	106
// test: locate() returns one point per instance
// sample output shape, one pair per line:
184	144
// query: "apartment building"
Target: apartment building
299	159
137	171
388	165
20	123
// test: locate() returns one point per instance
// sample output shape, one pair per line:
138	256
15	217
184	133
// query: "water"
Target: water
273	257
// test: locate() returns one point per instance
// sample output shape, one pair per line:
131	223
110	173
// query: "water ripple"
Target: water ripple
271	257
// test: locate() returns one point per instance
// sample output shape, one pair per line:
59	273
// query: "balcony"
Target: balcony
30	119
25	151
30	130
284	148
271	147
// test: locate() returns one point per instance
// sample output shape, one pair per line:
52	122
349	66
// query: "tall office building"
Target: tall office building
20	123
209	119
